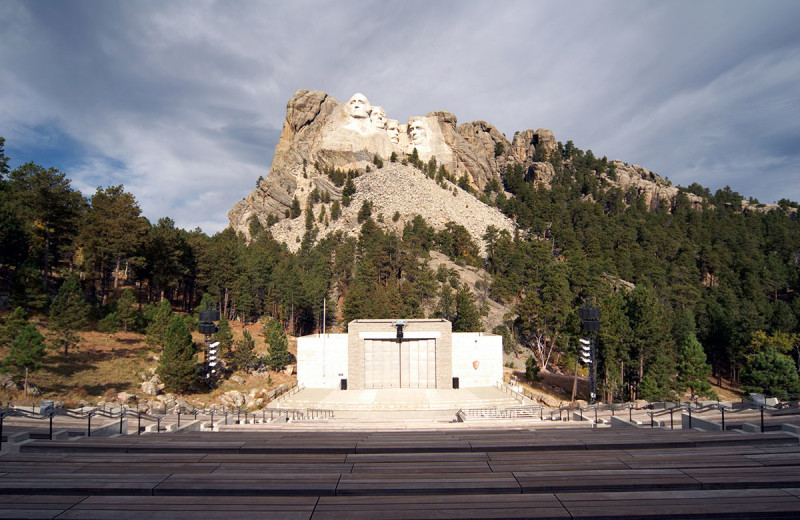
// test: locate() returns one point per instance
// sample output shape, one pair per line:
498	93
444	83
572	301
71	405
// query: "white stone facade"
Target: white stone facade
477	358
370	354
323	358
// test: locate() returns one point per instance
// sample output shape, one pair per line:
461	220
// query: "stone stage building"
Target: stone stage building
414	353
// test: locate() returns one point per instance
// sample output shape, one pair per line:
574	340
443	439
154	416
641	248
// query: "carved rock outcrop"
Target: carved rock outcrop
320	134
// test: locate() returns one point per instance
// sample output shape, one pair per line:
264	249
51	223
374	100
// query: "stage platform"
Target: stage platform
398	399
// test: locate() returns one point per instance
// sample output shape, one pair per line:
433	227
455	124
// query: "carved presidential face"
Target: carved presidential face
417	131
358	106
393	129
378	117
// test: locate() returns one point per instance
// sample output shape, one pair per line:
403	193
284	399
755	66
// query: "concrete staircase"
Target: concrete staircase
397	399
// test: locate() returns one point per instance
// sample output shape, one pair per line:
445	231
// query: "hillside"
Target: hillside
402	191
367	218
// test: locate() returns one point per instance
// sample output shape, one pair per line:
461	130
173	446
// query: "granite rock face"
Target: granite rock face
321	133
654	188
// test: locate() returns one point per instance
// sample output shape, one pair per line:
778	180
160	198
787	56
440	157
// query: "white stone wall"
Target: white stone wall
477	359
321	360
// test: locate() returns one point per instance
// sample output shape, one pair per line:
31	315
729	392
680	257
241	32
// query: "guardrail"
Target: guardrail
293	389
297	414
744	406
520	396
613	408
513	412
49	414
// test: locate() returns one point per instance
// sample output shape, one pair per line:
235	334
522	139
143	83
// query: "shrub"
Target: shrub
532	370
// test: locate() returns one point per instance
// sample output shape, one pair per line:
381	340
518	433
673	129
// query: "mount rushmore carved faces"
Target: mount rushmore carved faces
378	117
359	106
366	119
416	130
393	129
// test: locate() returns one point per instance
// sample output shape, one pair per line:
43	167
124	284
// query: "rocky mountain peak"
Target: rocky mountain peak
322	135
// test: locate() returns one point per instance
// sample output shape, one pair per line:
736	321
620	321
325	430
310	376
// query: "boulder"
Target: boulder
547	400
233	399
239	380
253	403
150	388
167	399
125	397
7	383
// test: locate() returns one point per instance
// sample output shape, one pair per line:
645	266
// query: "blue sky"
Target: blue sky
183	101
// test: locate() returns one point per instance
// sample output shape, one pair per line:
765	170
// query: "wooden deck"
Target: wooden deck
561	473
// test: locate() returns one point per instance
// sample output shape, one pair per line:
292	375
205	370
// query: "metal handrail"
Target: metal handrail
511	412
506	388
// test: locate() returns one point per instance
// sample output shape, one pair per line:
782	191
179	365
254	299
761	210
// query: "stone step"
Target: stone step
300	404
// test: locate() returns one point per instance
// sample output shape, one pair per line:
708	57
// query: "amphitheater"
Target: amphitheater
425	436
409	455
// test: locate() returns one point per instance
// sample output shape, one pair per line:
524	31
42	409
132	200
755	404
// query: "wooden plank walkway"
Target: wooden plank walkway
561	473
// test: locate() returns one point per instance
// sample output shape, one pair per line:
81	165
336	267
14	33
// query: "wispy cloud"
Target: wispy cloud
183	102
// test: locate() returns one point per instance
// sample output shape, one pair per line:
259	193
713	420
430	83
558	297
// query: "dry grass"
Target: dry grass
559	386
106	364
103	365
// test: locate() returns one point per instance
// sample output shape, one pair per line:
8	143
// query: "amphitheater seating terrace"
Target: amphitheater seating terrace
453	473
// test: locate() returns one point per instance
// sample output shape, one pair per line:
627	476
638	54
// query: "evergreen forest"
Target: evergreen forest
686	295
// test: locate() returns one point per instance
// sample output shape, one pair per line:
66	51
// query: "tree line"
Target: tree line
682	291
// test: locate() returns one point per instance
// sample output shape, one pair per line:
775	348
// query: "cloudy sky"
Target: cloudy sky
183	101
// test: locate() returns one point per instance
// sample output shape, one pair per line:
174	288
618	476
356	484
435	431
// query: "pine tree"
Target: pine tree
295	211
348	191
467	318
243	297
446	306
160	322
244	356
68	313
112	231
109	324
45	200
365	212
26	352
12	326
771	373
649	327
309	215
658	383
126	309
278	345
693	371
613	341
176	366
